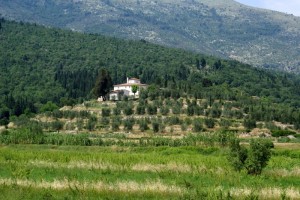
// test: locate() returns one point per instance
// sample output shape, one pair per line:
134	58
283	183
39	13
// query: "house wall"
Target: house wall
127	90
114	96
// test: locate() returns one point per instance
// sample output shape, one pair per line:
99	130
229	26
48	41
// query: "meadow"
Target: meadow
142	172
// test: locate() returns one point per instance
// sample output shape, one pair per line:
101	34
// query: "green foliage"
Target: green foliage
176	109
57	125
254	159
49	106
143	124
103	84
258	156
116	111
128	110
155	125
62	66
134	89
225	123
91	123
183	126
106	112
238	155
164	110
174	120
280	133
209	122
116	122
140	109
128	124
249	123
168	163
151	109
215	112
297	125
197	125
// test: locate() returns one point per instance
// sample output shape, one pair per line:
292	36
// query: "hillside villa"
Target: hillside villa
125	89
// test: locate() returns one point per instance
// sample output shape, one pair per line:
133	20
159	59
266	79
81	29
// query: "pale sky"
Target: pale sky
286	6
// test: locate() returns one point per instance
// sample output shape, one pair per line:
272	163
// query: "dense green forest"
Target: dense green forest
40	64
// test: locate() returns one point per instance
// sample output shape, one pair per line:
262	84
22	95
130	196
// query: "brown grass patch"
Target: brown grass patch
267	193
121	186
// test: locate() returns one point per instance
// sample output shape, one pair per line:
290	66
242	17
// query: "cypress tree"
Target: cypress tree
103	84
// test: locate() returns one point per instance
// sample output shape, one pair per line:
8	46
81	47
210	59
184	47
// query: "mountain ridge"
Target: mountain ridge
226	29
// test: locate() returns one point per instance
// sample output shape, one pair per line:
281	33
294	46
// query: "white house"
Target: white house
126	88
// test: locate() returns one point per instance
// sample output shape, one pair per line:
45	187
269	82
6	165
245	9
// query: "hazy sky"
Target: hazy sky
286	6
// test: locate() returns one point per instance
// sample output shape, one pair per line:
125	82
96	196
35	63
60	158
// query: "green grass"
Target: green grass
136	172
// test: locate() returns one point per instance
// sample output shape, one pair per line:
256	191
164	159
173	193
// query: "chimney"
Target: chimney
127	80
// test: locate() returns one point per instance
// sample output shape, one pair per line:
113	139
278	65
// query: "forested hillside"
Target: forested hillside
41	64
224	28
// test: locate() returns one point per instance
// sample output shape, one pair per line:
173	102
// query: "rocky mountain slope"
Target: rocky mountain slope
224	28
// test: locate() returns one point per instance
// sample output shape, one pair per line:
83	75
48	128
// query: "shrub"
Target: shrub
105	112
199	110
215	112
140	109
209	122
225	123
173	120
271	126
116	111
165	110
155	126
252	160
297	125
49	106
104	122
224	137
188	121
190	110
79	124
183	126
151	109
143	125
197	125
281	133
128	124
176	109
258	156
128	110
116	121
4	121
92	121
249	123
57	125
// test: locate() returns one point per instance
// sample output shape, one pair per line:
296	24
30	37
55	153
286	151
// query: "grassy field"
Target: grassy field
76	172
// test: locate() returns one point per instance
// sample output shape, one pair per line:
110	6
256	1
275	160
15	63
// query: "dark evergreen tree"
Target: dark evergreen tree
203	62
103	84
217	65
198	63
